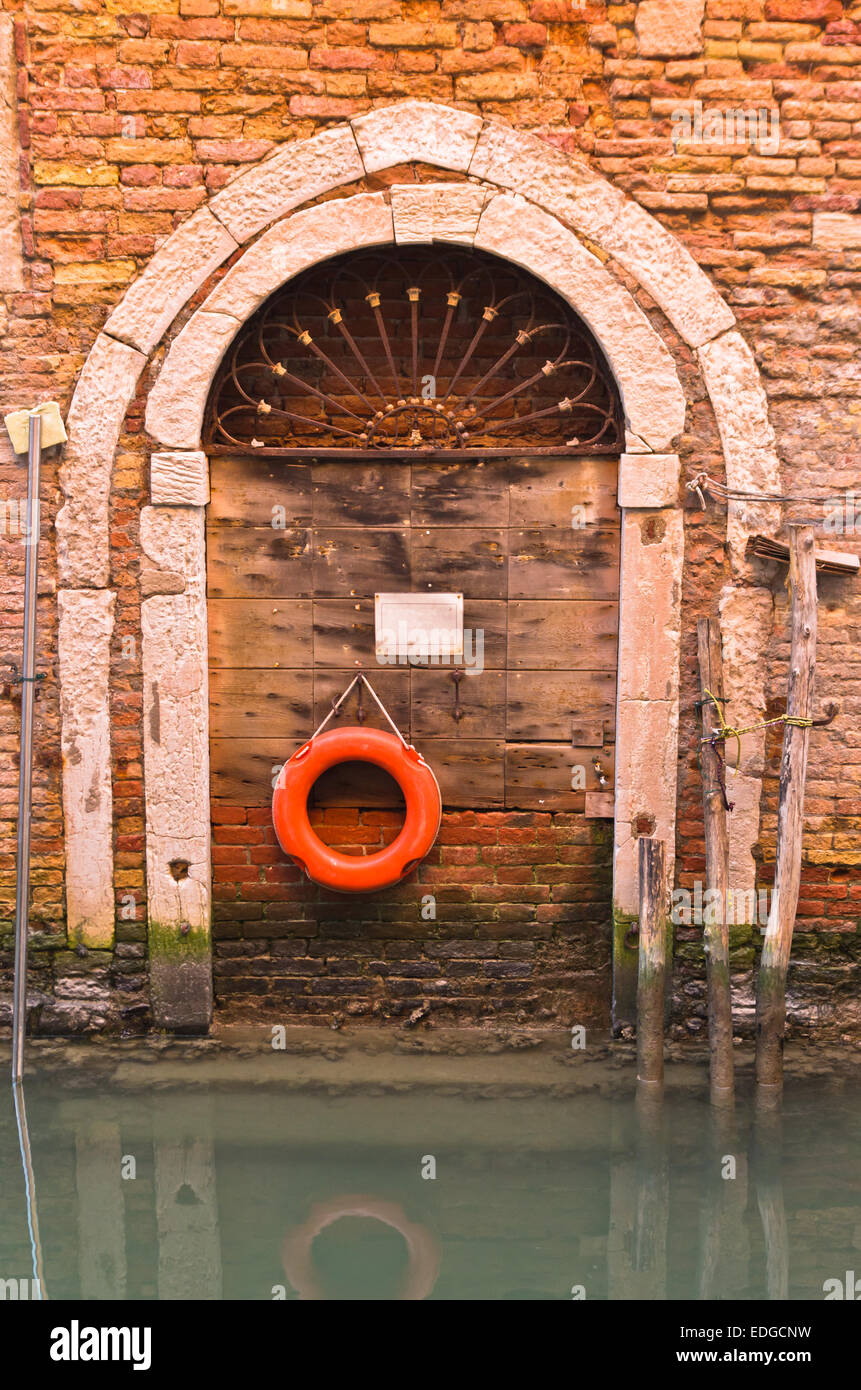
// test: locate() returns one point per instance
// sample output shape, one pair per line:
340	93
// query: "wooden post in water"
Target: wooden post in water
715	929
771	984
651	966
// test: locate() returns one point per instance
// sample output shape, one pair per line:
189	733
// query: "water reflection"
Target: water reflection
723	1263
266	1193
768	1180
422	1247
37	1289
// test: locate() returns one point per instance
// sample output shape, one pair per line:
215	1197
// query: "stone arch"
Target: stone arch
652	394
520	199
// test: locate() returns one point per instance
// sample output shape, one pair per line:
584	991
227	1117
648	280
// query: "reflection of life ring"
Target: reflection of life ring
345	872
422	1246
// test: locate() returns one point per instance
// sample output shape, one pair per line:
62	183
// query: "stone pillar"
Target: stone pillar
647	709
176	766
86	624
11	259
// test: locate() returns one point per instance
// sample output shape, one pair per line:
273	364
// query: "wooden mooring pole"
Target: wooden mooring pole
771	984
651	966
715	929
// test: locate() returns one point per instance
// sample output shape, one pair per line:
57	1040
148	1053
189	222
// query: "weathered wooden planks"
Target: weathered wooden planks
472	493
562	634
243	771
258	562
485	632
563	492
260	633
292	620
357	784
470	772
261	703
352	494
572	706
552	563
481	701
249	491
359	561
547	776
341	628
392	684
470	559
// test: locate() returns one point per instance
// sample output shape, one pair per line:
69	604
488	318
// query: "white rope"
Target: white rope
336	707
702	481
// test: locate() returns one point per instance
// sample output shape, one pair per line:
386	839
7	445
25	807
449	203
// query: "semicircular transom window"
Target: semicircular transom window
415	349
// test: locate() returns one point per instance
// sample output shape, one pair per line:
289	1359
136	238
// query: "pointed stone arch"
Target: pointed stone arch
518	198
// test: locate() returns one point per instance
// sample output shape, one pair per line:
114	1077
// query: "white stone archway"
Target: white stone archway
520	199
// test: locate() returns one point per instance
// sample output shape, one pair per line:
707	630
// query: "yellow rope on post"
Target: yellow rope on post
726	731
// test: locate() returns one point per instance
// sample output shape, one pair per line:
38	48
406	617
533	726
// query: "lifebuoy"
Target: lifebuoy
345	872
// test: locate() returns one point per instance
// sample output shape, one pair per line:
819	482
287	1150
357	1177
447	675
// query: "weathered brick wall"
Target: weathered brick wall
520	924
129	120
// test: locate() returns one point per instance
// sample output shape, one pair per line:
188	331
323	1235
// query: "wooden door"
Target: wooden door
296	552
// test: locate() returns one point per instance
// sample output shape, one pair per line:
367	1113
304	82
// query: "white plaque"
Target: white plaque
419	629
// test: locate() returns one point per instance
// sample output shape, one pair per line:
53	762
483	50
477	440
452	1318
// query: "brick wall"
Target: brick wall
520	929
128	121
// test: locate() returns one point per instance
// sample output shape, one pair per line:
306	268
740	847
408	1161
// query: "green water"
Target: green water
162	1181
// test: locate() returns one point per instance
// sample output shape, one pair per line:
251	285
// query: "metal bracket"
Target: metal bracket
15	679
699	704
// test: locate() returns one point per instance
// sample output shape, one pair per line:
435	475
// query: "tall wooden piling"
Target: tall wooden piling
715	929
771	984
651	966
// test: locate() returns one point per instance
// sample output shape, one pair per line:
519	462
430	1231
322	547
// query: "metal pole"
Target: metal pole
25	776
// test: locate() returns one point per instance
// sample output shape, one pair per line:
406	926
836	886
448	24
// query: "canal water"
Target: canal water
240	1173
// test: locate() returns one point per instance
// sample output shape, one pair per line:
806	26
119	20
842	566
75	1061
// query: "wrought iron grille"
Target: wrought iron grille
415	349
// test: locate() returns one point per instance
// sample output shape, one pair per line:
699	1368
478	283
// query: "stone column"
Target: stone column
86	624
176	764
11	259
647	709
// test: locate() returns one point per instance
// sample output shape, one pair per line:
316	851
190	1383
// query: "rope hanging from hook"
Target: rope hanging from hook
361	680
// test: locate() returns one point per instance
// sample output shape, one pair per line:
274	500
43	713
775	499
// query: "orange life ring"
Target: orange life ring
346	872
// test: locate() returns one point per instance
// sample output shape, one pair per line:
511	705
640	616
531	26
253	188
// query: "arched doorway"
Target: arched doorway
511	195
392	425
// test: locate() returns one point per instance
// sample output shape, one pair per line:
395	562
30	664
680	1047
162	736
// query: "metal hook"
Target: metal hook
831	713
457	712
